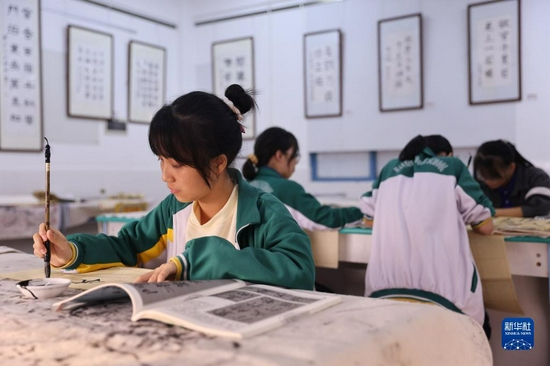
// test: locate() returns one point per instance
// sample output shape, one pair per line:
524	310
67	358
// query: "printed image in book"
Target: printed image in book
228	308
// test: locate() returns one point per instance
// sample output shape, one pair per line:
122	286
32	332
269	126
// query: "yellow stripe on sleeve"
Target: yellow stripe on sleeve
157	249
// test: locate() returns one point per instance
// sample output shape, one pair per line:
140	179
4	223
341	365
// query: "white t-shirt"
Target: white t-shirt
223	224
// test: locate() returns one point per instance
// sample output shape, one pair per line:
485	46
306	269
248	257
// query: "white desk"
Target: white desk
359	331
20	216
527	256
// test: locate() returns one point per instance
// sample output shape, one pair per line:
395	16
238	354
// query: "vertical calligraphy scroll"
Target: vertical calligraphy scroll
400	77
20	76
323	74
494	52
233	63
90	83
146	80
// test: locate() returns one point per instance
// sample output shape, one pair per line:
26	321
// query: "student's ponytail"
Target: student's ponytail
518	158
437	143
241	99
249	169
413	148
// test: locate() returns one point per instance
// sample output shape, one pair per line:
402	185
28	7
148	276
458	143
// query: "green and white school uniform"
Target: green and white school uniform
265	245
420	243
306	209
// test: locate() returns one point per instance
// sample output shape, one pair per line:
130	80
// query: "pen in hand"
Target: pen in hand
47	268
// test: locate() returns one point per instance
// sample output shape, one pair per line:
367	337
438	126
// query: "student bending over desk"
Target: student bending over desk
421	204
276	154
511	182
213	225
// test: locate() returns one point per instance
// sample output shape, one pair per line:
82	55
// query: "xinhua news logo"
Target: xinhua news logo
518	334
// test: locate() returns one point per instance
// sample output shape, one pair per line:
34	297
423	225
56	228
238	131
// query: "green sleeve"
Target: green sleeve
296	197
275	252
137	242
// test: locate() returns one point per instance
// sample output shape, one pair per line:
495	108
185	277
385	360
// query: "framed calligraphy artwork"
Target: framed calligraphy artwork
323	74
146	81
494	52
90	81
21	122
233	63
400	68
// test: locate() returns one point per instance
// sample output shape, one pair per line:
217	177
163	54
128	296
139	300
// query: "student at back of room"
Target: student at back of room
512	183
421	204
276	153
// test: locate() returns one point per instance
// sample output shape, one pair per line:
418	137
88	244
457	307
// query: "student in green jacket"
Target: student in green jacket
213	225
276	154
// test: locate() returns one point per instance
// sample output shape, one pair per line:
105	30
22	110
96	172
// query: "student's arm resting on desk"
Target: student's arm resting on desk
274	251
474	206
311	214
137	242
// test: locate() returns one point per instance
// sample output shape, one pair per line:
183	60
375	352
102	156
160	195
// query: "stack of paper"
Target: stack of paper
519	226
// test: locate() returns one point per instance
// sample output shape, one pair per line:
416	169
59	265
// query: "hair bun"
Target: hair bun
240	98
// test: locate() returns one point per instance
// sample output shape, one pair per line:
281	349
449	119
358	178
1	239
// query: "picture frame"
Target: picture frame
494	52
90	73
400	63
146	80
21	106
323	74
233	63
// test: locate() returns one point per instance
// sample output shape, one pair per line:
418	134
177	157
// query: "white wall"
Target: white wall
87	158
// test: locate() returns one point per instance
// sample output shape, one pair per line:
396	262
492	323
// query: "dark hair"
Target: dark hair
267	144
197	127
437	143
493	157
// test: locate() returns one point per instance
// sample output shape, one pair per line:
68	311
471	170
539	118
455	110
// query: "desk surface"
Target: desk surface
359	329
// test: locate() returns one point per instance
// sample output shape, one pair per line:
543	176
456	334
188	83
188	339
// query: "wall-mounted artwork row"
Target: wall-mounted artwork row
21	125
400	78
233	63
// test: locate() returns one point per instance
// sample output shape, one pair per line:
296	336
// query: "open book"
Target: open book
229	308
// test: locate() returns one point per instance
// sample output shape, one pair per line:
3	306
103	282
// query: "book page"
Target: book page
145	294
242	312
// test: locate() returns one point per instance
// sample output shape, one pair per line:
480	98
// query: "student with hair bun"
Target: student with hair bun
213	225
276	153
511	182
421	204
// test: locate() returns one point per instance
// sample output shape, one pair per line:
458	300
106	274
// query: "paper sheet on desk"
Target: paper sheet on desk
522	226
489	252
83	281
